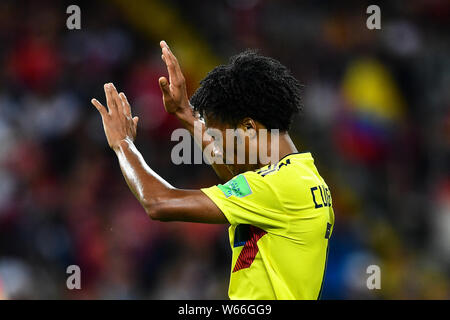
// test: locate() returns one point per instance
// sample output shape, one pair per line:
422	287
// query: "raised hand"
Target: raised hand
175	96
176	102
118	122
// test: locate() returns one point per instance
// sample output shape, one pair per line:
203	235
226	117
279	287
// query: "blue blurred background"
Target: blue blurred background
376	118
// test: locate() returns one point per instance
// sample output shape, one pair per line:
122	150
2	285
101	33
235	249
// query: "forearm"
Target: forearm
188	120
160	200
147	186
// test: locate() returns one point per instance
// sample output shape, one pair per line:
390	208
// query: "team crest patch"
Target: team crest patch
238	187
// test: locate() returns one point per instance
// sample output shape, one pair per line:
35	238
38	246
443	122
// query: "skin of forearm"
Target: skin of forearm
187	118
147	186
160	200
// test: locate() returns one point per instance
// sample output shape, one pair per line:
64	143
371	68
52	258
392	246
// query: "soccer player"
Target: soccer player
280	213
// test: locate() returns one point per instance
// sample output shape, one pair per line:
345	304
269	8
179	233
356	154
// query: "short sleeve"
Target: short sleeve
248	199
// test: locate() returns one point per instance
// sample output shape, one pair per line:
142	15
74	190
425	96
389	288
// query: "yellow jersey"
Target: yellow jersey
281	219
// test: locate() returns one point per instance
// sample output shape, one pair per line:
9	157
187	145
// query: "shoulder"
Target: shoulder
290	178
289	169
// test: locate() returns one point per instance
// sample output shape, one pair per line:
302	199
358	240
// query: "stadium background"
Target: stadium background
376	118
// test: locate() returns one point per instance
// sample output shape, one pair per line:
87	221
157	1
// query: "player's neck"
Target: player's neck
285	147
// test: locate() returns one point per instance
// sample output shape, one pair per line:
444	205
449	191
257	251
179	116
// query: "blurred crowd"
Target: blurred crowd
376	119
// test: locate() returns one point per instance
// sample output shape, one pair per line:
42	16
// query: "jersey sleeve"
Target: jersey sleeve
248	199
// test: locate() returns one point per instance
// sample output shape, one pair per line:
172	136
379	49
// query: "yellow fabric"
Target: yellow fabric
289	206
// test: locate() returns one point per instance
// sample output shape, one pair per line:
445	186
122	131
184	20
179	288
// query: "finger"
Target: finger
126	104
165	88
109	100
163	44
174	61
135	121
117	100
173	75
101	108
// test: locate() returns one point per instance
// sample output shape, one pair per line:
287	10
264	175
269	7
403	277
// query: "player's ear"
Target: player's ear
249	126
248	123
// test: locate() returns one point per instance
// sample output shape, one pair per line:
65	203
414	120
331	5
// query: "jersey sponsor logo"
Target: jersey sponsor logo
250	249
238	187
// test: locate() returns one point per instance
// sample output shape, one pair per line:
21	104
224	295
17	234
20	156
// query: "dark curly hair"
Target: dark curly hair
250	85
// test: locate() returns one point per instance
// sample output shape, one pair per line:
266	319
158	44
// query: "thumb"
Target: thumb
135	121
164	85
